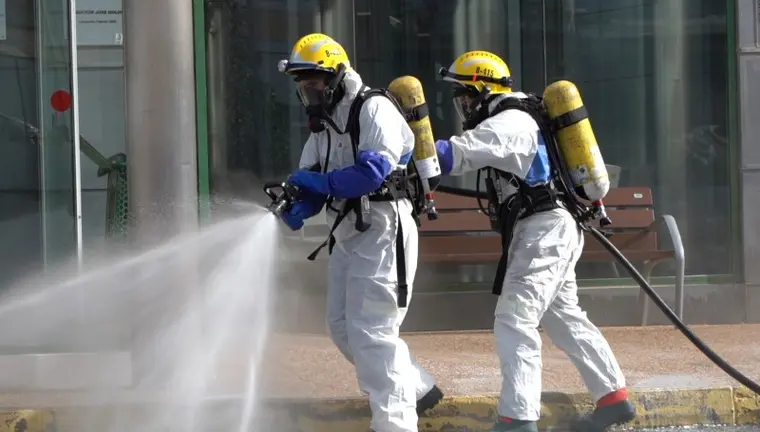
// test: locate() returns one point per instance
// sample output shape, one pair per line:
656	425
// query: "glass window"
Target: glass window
257	124
653	74
38	204
102	110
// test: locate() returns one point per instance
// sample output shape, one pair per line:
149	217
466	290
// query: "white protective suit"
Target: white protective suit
363	317
540	283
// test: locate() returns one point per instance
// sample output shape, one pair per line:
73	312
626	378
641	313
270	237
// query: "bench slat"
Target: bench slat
618	197
469	220
444	201
491	244
587	257
629	197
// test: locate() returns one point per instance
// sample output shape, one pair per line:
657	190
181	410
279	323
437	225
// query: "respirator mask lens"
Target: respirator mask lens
465	101
311	96
311	91
464	106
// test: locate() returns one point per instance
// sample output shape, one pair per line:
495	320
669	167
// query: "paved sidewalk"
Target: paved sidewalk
466	363
672	382
309	387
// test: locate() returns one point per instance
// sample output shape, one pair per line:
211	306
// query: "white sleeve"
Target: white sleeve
507	141
383	130
310	153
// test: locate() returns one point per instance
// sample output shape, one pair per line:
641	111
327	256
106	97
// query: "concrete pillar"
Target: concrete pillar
163	185
161	127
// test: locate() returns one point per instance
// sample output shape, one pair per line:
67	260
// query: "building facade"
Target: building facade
190	93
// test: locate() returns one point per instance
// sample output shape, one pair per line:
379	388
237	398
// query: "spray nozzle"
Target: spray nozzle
601	214
432	213
282	194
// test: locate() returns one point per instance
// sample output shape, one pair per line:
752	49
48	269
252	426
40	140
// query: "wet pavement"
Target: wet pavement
466	363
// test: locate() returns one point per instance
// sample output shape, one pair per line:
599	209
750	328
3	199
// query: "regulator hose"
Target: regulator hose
615	252
706	350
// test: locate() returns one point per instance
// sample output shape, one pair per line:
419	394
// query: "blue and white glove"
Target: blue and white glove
445	156
364	177
309	205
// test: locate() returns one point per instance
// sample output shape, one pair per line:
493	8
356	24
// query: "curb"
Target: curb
26	421
655	408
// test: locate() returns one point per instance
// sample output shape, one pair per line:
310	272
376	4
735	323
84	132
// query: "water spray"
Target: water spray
282	194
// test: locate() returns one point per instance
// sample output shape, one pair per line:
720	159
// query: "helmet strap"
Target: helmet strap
335	89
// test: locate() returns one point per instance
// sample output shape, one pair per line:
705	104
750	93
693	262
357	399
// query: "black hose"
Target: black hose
696	341
712	355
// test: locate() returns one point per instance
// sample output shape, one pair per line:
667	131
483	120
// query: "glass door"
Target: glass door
39	210
59	132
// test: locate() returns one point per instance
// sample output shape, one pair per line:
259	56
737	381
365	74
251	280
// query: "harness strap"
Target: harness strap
403	287
330	240
510	220
526	202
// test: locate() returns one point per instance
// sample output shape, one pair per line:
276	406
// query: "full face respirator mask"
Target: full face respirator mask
320	98
471	105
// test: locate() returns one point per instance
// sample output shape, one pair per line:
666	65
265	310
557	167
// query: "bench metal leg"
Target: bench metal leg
644	300
680	270
615	268
679	287
675	237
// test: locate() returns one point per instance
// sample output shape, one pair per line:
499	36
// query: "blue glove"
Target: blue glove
307	206
445	156
364	177
292	220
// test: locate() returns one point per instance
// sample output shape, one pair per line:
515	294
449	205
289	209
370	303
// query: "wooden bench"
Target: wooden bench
462	235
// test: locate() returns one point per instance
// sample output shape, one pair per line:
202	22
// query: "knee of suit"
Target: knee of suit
362	336
517	310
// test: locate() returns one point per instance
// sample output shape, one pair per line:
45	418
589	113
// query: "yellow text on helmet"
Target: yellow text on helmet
479	69
315	52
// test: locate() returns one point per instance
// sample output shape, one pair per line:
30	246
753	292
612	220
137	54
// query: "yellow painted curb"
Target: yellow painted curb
747	406
655	408
26	421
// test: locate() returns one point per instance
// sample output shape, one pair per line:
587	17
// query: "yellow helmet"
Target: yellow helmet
318	64
480	69
476	75
315	52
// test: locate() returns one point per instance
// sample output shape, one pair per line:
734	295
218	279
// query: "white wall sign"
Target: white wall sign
3	26
99	22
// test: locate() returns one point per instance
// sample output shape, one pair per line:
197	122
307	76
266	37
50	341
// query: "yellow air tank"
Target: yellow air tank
576	140
408	91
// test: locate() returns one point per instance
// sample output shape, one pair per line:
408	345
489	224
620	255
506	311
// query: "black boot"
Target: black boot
430	400
602	418
515	426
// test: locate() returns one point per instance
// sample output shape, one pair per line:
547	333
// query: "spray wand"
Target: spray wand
282	194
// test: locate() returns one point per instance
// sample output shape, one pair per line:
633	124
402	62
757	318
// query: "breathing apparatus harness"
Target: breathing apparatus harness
400	184
525	203
505	211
